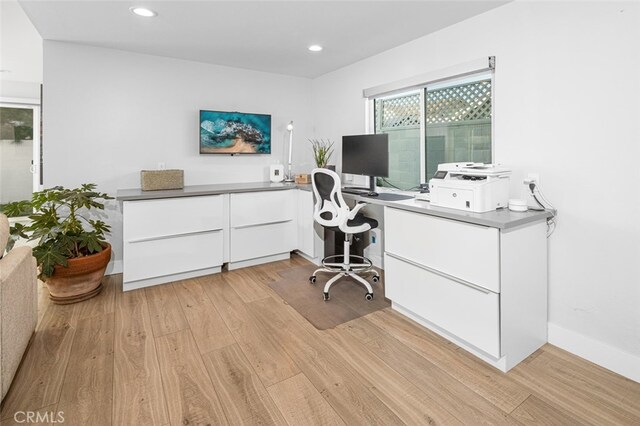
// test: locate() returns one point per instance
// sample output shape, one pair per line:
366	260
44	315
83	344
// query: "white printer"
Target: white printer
475	187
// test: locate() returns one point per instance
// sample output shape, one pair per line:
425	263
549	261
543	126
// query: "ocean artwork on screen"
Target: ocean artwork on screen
234	133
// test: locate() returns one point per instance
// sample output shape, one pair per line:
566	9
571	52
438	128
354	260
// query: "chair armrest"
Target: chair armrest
19	284
18	308
354	211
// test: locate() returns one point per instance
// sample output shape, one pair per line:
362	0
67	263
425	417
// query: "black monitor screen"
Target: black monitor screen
366	155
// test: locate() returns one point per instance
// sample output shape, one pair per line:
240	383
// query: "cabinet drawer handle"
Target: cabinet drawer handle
164	237
275	222
442	274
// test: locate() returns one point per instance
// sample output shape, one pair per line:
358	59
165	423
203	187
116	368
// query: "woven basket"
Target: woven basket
303	179
155	180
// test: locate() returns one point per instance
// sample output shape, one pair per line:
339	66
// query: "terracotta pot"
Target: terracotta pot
80	280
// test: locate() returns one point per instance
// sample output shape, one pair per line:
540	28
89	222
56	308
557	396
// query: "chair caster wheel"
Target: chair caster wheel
376	278
369	296
325	296
312	279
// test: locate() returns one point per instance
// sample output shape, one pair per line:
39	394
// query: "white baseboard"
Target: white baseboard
258	261
114	267
314	260
604	355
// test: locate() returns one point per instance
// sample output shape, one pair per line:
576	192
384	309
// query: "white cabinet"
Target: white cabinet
263	227
169	239
469	312
481	287
306	232
468	251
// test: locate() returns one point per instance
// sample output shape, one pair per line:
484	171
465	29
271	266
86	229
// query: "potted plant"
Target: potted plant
72	252
322	151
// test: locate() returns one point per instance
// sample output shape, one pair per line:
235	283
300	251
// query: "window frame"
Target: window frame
33	105
370	108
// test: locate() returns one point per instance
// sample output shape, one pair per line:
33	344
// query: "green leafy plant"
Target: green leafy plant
322	151
61	225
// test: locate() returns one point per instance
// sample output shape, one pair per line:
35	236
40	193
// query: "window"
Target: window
19	151
452	118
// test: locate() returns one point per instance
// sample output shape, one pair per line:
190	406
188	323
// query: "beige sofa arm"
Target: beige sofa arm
18	310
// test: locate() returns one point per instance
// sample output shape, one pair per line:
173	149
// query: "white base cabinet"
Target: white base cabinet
262	225
483	288
169	239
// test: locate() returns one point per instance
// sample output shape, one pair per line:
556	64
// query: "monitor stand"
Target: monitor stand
372	187
370	190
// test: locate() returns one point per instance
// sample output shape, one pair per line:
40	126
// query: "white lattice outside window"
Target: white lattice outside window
438	124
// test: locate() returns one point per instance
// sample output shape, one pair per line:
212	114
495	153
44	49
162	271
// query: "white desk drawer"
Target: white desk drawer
254	208
172	216
167	256
471	314
256	241
463	250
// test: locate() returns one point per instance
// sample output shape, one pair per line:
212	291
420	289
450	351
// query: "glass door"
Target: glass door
19	151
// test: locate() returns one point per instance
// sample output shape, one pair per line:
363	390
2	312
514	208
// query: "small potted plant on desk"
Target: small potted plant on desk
322	151
72	253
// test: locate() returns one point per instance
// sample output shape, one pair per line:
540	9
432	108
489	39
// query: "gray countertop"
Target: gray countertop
502	219
136	194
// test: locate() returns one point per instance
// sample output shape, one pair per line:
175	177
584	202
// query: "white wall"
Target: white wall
109	114
21	54
567	84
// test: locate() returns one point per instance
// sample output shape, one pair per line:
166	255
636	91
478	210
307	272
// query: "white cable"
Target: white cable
543	197
535	192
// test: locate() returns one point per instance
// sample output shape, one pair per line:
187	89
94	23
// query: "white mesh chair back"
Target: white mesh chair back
330	209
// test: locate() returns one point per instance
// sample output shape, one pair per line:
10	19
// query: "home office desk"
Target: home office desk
478	279
178	234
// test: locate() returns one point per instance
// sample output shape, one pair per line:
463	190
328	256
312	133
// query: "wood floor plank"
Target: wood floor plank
452	395
138	395
103	303
498	388
190	395
535	411
380	369
301	404
87	392
270	361
207	326
45	416
330	374
572	395
39	379
164	308
43	300
610	387
243	397
245	283
268	272
409	403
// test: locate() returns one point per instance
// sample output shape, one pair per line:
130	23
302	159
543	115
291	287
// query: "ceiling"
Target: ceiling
270	36
20	44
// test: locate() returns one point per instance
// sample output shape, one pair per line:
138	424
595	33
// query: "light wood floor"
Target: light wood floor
226	349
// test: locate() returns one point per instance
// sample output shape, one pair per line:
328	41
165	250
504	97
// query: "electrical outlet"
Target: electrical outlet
162	166
533	177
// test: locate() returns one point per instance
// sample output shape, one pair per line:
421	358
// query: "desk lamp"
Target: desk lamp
289	176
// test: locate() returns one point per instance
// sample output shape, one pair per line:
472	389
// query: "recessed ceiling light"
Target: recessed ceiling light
142	11
315	48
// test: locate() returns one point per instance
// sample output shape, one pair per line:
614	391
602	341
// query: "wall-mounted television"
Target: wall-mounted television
223	132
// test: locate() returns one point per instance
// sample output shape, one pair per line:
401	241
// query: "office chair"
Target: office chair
333	213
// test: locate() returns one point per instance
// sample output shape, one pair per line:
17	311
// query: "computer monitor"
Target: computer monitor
366	155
